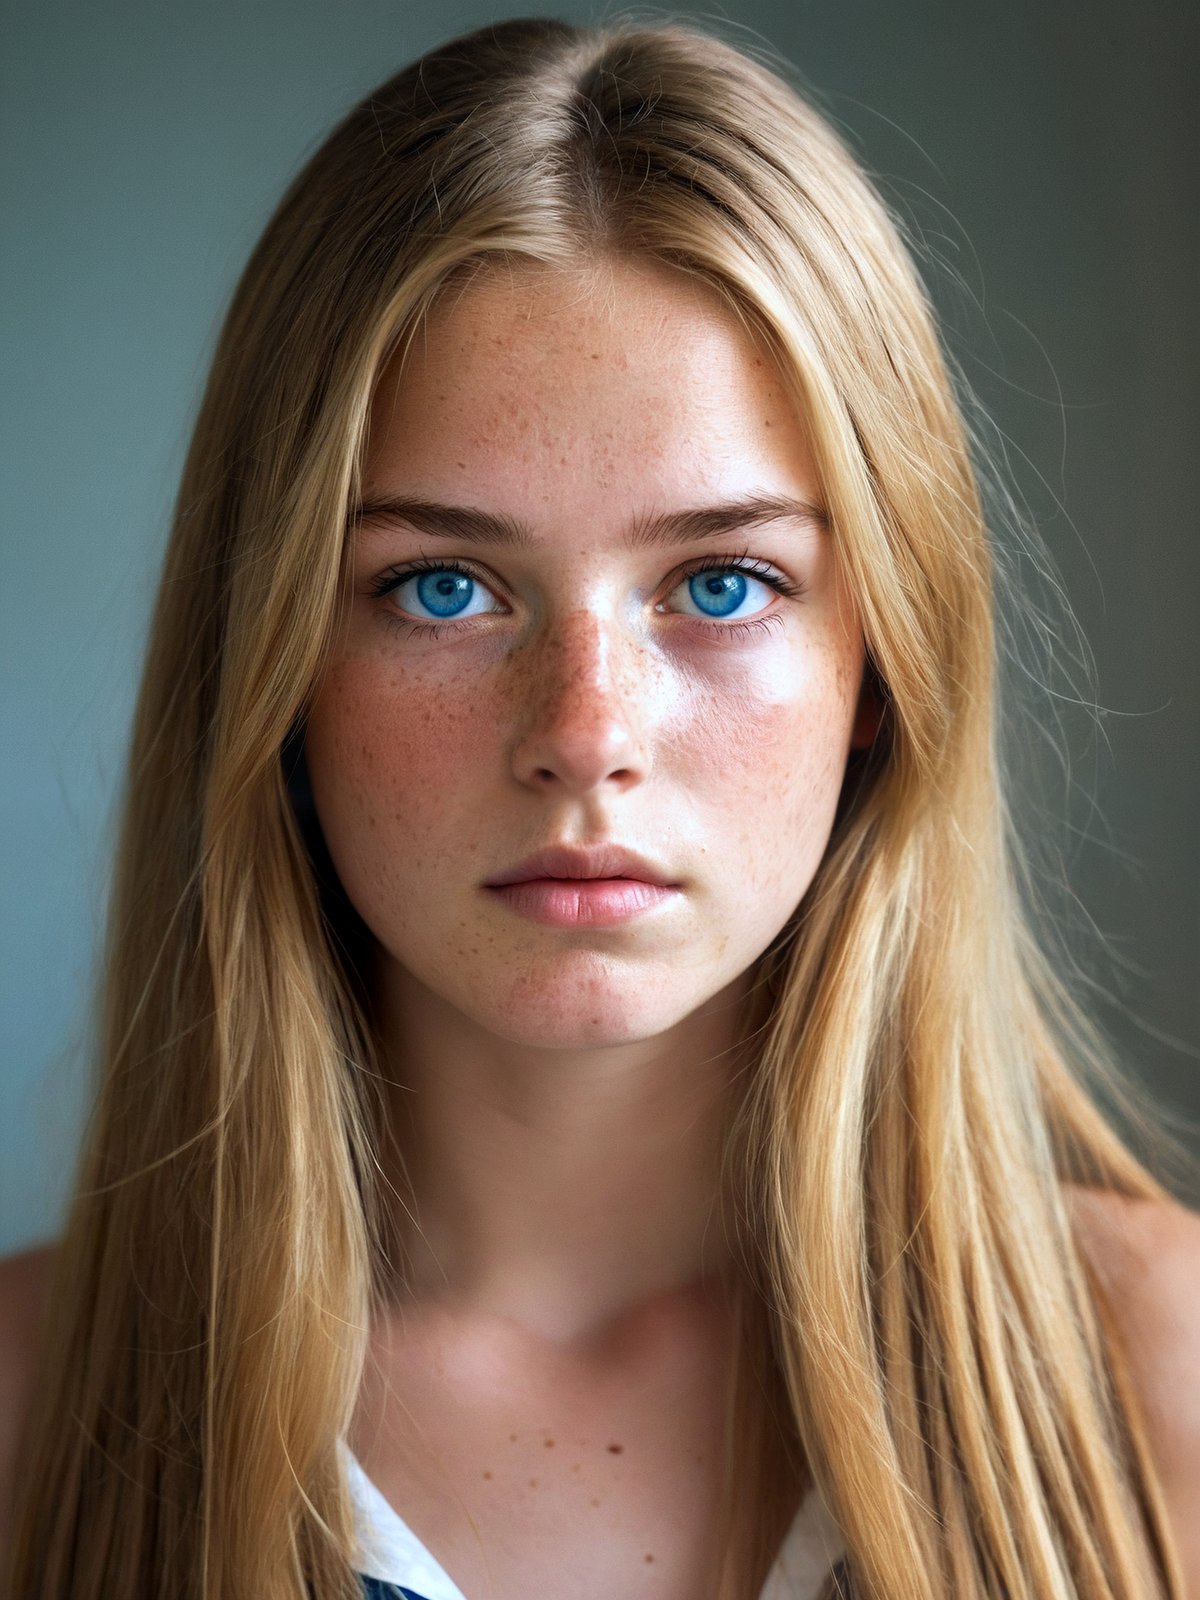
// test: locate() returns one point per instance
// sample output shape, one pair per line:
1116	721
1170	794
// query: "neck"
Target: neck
558	1189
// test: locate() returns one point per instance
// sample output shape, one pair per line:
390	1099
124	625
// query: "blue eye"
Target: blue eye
721	592
445	593
439	592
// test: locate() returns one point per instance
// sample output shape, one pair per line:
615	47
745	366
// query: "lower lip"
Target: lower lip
582	902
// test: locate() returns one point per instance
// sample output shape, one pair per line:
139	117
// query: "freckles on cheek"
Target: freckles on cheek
398	742
766	759
726	742
771	720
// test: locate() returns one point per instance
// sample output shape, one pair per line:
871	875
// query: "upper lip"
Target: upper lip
584	861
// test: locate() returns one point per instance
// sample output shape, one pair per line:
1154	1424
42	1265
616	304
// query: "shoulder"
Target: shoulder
24	1286
1145	1256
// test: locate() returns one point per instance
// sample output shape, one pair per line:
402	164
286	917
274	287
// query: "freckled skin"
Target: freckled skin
582	706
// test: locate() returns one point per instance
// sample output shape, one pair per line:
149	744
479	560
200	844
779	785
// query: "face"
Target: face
594	605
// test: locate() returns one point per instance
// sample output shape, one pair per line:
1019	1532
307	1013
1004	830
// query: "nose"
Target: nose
583	710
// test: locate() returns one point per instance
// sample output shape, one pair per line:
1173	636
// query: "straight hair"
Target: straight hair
919	1337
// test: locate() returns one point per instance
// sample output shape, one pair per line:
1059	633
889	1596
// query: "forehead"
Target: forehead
626	378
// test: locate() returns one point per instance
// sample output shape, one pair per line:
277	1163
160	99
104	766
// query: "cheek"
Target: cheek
765	770
388	753
766	762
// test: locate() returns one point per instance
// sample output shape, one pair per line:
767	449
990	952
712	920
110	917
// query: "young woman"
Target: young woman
581	1110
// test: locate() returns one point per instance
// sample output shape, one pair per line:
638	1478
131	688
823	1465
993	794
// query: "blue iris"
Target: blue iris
717	593
443	592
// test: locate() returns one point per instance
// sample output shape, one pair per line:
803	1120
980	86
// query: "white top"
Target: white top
390	1550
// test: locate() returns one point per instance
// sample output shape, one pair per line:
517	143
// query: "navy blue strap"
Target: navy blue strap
379	1589
839	1583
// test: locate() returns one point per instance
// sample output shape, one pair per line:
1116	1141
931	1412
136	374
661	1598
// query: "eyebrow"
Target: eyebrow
649	532
711	522
451	522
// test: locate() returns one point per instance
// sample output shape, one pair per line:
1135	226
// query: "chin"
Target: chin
558	1005
576	1005
595	1032
587	1017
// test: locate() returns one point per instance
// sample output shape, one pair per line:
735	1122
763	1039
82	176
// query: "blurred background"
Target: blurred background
1042	157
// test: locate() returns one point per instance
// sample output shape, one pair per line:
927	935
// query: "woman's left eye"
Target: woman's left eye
723	593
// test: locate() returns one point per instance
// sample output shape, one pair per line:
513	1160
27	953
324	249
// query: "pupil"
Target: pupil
444	593
718	593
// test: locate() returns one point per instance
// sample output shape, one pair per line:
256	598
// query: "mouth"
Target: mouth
582	863
576	886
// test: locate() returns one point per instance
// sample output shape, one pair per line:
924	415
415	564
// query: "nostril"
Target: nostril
580	774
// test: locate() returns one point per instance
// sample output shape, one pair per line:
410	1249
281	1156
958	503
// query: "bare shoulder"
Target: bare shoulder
1146	1258
24	1285
1146	1255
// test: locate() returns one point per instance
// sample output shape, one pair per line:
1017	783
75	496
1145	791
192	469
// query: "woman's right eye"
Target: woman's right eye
436	592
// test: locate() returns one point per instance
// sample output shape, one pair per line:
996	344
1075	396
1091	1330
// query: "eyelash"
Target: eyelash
383	585
394	576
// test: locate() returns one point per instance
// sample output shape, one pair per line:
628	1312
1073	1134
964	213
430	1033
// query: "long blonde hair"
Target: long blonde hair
914	1303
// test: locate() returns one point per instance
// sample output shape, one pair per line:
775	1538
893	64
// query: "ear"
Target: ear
868	717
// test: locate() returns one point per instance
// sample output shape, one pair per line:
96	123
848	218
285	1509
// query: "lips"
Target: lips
584	861
585	889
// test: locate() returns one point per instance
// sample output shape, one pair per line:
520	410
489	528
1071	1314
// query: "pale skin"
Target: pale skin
543	1400
566	1089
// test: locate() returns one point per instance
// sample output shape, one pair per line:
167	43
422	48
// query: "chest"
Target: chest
563	1474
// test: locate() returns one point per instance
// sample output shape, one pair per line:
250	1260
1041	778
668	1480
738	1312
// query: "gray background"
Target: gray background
1044	154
